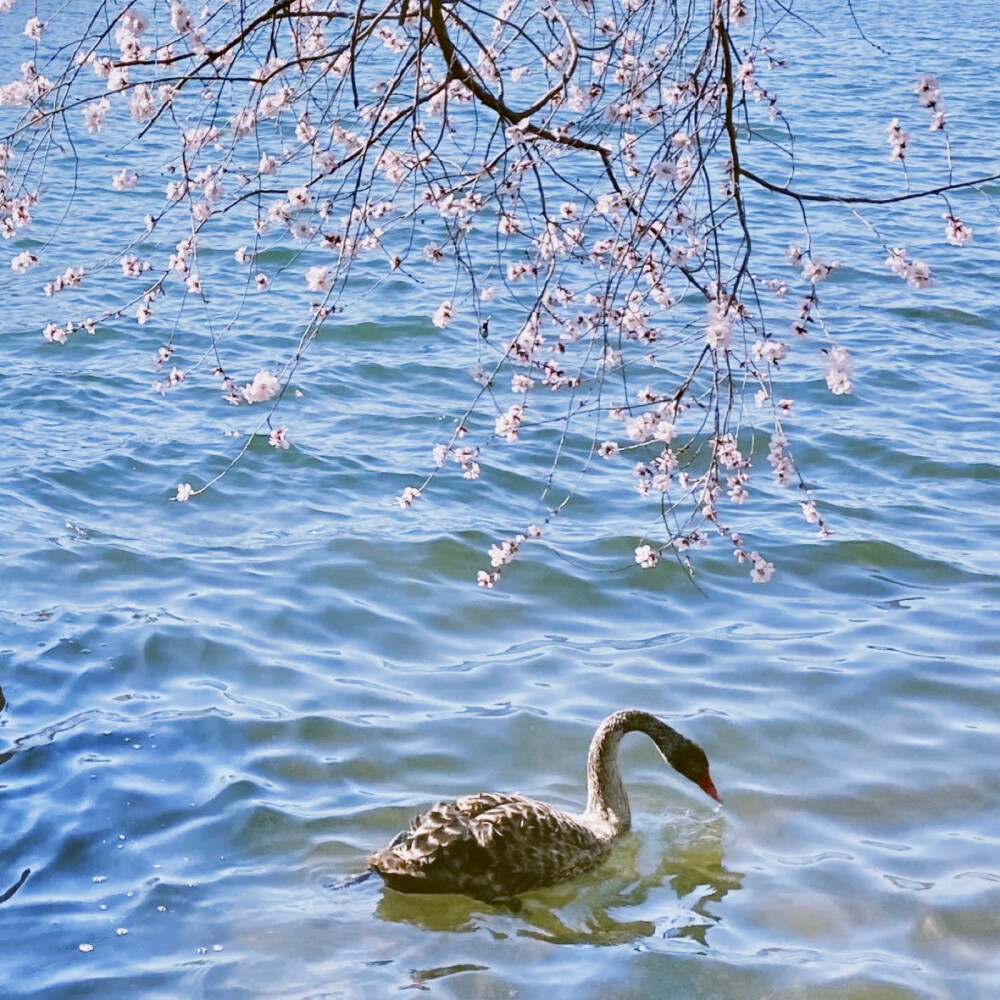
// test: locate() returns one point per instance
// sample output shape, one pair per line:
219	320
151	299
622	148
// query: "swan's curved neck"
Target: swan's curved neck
607	802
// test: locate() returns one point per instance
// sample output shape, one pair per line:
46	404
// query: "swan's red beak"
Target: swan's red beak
708	787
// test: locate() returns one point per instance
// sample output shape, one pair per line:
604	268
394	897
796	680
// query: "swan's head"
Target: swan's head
689	759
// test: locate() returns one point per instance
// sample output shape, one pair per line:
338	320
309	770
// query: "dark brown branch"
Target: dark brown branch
843	199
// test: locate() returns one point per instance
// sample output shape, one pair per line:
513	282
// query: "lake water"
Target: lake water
212	711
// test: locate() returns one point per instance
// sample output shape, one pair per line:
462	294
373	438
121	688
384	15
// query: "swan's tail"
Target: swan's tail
346	883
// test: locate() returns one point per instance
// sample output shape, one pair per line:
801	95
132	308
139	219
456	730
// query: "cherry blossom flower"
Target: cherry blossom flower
664	429
199	136
762	570
770	350
487	580
839	368
54	334
33	28
117	78
956	231
263	387
466	458
504	553
433	253
94	112
72	277
14	94
810	511
279	438
23	261
897	139
141	104
243	123
184	492
299	198
498	557
926	88
727	452
637	428
101	66
508	423
815	271
780	462
124	180
916	273
444	314
646	557
719	327
409	494
133	267
608	449
737	491
318	279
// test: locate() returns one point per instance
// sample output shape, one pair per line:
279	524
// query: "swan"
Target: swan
494	845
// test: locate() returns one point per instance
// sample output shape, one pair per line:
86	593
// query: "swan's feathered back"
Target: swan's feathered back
489	846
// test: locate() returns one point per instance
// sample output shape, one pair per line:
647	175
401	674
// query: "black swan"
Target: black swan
495	845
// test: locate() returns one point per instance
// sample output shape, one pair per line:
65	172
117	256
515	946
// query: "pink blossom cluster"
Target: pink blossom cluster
839	370
956	231
263	387
929	93
502	554
914	272
897	138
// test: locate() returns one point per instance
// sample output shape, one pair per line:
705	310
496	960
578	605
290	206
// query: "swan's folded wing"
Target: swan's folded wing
488	846
527	844
432	835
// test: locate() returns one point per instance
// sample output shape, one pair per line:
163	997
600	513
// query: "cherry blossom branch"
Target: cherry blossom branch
844	199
